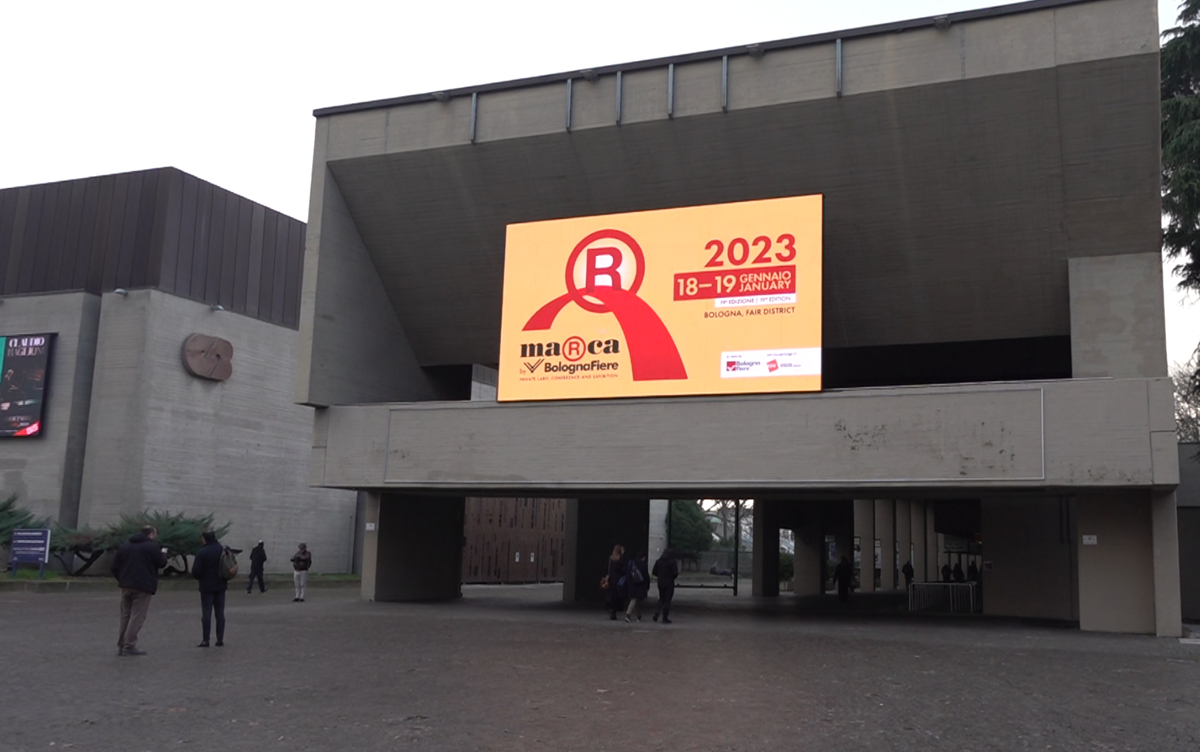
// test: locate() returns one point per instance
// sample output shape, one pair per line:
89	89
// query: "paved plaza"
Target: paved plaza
512	668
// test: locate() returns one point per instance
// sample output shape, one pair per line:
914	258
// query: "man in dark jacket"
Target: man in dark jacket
136	568
258	557
207	569
666	569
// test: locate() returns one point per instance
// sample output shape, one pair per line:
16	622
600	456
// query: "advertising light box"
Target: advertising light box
23	362
718	299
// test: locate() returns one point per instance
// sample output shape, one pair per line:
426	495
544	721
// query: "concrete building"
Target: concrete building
123	269
992	314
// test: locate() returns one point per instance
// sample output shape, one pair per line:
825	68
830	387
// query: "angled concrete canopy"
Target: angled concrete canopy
991	267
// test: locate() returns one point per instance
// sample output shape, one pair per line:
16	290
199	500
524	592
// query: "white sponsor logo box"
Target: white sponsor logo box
741	364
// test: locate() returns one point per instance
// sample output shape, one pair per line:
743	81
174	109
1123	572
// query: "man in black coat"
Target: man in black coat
136	568
207	569
666	569
258	557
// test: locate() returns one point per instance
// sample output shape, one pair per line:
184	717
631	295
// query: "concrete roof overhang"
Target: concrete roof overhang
954	191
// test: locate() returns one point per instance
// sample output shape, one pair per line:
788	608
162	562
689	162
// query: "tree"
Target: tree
1187	399
690	533
1180	93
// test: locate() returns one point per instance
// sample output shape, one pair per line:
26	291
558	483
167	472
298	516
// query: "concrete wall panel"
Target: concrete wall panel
522	112
1028	542
644	96
1117	326
1092	31
429	125
160	438
594	103
797	74
46	471
1116	576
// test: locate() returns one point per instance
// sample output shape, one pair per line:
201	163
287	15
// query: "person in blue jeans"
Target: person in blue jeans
207	570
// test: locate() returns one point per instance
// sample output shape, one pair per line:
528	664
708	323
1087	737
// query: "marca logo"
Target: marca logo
572	349
603	275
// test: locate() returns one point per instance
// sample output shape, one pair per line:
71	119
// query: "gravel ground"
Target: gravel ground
512	668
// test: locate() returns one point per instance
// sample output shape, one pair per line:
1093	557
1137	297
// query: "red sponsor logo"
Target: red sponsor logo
731	365
772	365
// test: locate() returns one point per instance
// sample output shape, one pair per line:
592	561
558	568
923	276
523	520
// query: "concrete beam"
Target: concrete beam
1073	433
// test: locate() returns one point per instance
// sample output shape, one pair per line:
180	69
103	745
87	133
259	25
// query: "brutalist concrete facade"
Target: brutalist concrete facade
991	184
122	269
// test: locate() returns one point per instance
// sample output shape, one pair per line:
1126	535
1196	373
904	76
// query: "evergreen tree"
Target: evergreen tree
690	533
1180	82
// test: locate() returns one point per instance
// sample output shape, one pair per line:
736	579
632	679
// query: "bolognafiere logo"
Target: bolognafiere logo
603	275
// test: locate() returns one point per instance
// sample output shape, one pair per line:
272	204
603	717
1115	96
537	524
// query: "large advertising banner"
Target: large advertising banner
718	299
23	362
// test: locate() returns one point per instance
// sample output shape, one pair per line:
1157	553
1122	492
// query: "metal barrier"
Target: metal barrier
957	597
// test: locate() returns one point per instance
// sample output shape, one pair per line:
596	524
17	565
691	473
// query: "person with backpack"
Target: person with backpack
611	582
214	566
258	557
301	563
637	586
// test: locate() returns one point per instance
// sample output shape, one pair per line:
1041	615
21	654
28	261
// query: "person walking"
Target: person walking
908	572
666	569
136	568
843	574
616	567
258	557
207	569
637	585
301	562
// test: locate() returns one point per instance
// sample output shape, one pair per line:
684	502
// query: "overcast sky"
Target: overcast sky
226	90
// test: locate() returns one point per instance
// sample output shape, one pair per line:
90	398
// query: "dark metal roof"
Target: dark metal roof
746	49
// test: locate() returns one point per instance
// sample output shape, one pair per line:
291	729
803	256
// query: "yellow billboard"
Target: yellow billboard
718	299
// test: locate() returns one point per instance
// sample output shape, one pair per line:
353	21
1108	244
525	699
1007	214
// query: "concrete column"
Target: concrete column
1117	579
656	541
1168	616
592	527
415	551
1189	562
916	511
766	548
903	534
864	529
885	531
931	545
810	550
370	543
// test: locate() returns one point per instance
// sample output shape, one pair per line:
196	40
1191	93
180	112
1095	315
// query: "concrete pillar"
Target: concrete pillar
766	548
656	541
810	550
864	530
1116	563
917	530
931	545
592	527
885	531
903	534
412	548
1164	526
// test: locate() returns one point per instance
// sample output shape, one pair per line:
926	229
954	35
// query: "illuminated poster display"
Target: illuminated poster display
718	299
23	361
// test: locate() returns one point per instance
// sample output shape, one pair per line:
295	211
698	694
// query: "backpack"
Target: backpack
635	574
227	565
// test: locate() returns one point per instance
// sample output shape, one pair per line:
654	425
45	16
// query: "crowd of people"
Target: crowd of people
139	560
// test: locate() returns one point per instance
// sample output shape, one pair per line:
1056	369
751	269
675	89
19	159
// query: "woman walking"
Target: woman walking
616	569
637	585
